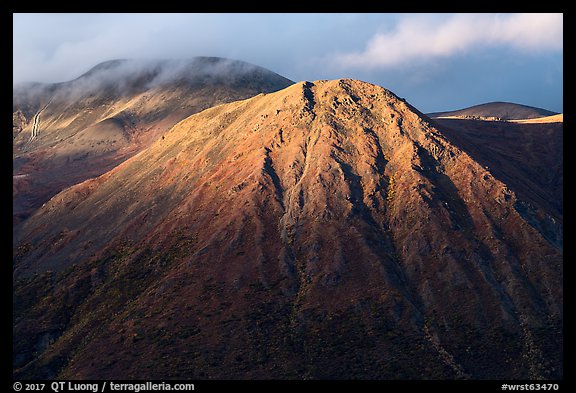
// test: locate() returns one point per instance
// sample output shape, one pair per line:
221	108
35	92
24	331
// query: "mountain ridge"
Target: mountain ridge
67	132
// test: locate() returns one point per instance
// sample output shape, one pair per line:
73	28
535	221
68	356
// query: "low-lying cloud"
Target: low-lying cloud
424	37
125	76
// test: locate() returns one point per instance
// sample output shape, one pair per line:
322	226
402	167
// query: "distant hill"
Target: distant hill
501	110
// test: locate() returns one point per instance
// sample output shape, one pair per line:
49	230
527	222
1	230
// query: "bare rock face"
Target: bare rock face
327	230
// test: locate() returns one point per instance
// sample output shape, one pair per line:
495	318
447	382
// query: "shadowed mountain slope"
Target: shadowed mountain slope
527	155
327	230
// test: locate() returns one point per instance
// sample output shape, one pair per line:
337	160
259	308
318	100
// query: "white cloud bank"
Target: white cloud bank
421	37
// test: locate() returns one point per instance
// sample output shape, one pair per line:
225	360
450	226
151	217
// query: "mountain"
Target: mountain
497	110
65	133
328	230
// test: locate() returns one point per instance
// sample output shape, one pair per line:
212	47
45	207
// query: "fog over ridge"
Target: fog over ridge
123	76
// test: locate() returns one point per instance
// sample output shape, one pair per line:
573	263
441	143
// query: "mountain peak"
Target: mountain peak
325	230
191	65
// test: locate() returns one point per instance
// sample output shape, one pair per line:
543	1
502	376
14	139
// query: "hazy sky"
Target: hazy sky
436	61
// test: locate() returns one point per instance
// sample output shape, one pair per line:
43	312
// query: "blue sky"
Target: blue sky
436	61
